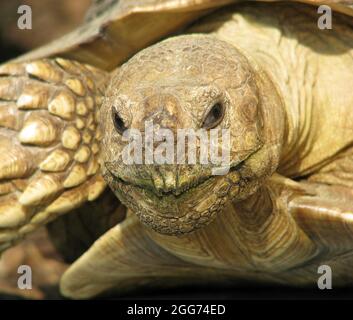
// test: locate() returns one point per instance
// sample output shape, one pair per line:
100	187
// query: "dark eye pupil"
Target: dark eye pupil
216	111
214	117
118	122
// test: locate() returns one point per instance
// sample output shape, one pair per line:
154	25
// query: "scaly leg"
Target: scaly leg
124	258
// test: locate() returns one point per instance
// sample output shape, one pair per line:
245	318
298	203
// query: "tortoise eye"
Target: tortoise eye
214	116
118	122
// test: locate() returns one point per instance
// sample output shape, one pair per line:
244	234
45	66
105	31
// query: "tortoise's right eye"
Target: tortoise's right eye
118	122
214	116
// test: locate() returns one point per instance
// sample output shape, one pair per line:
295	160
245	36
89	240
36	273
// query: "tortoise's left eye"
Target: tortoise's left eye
118	122
214	116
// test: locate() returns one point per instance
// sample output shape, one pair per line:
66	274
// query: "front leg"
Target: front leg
129	255
303	223
324	213
281	234
49	143
126	258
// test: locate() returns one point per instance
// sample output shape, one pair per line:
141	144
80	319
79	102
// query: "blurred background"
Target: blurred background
50	20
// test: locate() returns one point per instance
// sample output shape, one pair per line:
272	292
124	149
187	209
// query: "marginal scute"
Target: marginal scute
9	116
95	188
76	176
76	86
93	167
20	184
56	161
90	83
41	189
91	68
82	155
27	229
40	218
13	69
82	70
68	66
12	214
34	96
10	88
69	200
44	70
15	162
63	105
45	108
39	130
71	138
5	188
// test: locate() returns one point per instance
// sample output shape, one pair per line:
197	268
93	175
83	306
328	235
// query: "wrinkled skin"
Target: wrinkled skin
175	84
284	88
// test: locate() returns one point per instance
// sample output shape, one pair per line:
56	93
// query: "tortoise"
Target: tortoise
263	71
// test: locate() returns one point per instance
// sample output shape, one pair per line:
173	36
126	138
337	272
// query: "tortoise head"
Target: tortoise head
188	126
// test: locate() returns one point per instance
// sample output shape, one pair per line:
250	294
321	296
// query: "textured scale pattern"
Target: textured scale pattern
49	142
278	234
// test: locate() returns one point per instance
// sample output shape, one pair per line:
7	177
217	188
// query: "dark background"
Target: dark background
50	20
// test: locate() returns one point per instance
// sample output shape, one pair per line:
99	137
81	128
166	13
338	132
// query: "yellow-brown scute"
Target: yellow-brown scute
49	142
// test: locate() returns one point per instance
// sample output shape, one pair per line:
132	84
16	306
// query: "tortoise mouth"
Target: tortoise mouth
170	214
177	192
172	196
180	210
